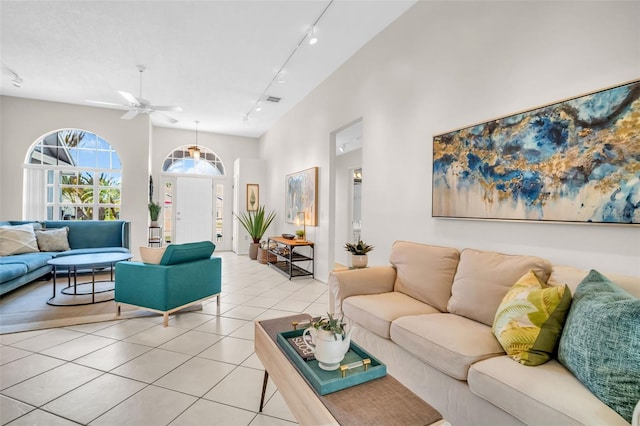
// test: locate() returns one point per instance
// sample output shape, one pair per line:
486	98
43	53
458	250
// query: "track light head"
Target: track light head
313	36
258	107
16	80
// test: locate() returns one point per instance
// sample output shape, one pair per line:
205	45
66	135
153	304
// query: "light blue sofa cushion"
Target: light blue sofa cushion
188	252
32	261
9	271
92	233
600	343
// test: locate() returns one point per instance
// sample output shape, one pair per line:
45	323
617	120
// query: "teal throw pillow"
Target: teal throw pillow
600	343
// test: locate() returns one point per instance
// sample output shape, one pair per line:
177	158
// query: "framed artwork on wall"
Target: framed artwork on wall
577	160
301	196
253	197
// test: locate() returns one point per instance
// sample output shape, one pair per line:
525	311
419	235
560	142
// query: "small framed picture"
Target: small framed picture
253	197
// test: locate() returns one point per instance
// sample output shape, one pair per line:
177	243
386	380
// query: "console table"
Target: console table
288	260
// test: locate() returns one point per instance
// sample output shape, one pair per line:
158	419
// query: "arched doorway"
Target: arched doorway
193	198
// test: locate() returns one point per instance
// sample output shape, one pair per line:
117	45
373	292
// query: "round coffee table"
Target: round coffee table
91	261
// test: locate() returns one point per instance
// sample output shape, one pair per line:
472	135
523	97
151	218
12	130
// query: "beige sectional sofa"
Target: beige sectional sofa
428	316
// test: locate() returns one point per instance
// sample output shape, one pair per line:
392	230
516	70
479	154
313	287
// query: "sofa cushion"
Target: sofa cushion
529	320
17	239
545	395
93	233
53	239
425	272
375	312
32	261
448	342
484	277
188	252
600	344
9	271
571	276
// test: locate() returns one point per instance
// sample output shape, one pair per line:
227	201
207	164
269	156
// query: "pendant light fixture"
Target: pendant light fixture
194	151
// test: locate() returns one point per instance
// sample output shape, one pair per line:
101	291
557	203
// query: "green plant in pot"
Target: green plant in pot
154	212
256	224
359	258
328	341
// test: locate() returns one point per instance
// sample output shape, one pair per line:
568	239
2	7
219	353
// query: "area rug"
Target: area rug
26	308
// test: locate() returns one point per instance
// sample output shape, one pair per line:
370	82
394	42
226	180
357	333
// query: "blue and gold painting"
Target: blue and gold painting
573	161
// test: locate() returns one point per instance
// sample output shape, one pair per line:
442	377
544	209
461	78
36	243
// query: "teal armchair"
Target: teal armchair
186	274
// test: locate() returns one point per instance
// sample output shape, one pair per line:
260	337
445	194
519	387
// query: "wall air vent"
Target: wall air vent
273	99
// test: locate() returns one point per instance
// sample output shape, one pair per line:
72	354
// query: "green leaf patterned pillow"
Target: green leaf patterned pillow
529	320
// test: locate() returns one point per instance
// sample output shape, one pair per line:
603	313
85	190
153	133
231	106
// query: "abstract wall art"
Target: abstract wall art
577	160
301	191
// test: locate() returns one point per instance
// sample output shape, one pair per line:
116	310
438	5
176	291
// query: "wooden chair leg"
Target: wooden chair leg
118	310
165	321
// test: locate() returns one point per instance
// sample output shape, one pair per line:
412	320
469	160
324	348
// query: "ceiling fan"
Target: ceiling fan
139	105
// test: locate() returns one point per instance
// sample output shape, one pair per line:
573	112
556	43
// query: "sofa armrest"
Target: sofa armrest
342	284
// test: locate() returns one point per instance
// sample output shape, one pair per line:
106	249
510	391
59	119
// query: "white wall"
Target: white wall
249	171
445	65
24	121
228	148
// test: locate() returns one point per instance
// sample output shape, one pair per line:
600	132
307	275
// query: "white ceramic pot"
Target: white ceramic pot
359	260
328	349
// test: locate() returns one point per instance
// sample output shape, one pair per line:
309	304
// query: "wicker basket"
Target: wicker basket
262	256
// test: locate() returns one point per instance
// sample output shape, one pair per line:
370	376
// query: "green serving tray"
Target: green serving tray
325	382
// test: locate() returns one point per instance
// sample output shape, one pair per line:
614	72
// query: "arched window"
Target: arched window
72	174
180	161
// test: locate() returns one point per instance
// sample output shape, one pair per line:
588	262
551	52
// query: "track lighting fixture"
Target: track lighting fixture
16	80
313	36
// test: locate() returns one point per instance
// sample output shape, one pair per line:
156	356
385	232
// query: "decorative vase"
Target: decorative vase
359	260
253	250
328	349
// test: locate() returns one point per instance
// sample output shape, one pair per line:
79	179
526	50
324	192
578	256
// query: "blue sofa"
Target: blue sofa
186	274
85	236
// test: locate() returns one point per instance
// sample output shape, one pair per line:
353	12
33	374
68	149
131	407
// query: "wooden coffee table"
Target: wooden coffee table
380	401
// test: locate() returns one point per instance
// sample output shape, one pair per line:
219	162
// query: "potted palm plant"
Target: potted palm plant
256	223
154	212
359	258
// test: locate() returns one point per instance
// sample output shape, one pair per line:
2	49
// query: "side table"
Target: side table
155	236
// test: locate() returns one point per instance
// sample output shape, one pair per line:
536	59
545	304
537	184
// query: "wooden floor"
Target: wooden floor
26	308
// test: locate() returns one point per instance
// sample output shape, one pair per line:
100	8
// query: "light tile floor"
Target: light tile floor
201	370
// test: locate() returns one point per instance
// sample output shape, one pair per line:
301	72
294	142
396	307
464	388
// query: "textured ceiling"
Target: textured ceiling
212	58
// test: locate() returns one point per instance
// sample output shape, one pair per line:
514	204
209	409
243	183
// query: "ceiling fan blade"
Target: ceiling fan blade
164	117
130	98
166	108
130	114
107	104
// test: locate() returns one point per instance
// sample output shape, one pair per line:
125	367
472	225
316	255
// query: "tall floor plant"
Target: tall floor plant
256	223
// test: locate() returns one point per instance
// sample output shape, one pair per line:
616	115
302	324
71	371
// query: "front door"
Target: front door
194	210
